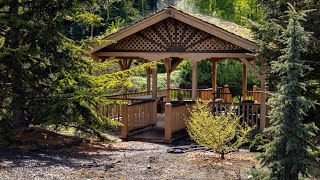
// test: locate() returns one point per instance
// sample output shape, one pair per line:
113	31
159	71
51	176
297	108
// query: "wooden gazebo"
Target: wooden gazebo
176	34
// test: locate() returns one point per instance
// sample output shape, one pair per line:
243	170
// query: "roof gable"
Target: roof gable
171	35
208	26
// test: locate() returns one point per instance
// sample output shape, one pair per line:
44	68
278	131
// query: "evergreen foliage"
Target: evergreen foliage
222	133
289	154
229	73
46	78
268	33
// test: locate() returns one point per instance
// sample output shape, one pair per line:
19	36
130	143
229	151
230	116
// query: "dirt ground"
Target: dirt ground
45	155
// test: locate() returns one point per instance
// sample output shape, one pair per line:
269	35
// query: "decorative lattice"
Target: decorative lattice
172	35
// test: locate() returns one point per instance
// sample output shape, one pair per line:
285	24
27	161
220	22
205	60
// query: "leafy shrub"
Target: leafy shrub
222	133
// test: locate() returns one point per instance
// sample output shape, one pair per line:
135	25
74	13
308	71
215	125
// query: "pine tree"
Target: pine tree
288	154
273	10
46	78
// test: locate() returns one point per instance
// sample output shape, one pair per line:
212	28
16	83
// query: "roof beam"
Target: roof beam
163	55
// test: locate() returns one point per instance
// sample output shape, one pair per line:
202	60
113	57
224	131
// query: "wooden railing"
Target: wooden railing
249	112
175	116
128	95
254	95
179	114
112	111
205	94
223	94
137	116
184	94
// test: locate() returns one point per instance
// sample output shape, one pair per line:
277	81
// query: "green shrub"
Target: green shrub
257	144
258	174
222	133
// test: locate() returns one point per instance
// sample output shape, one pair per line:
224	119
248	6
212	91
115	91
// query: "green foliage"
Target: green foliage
288	154
6	133
257	144
229	73
234	10
222	133
46	78
139	83
268	35
258	174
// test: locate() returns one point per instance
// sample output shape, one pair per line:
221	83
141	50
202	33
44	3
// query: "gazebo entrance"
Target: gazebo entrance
172	33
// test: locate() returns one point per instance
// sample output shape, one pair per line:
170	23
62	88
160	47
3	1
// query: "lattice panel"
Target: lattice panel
214	44
172	35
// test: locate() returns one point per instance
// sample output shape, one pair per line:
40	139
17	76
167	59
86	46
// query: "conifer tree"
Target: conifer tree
288	154
46	77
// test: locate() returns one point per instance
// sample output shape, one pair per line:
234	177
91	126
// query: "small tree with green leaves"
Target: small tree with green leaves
222	133
289	153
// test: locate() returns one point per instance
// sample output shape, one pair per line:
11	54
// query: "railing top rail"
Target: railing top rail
141	102
122	94
183	103
227	103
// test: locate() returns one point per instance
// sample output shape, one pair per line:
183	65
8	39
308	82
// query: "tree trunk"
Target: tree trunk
222	156
18	99
18	102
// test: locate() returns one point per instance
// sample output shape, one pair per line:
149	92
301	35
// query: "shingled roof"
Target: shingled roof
223	24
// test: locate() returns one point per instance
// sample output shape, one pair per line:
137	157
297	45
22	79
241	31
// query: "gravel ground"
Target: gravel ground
125	160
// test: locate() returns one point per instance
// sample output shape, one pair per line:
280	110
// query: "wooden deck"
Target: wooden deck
154	133
150	134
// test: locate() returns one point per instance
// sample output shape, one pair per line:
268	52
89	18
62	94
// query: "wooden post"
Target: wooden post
263	106
148	80
168	70
194	80
214	76
225	93
255	94
154	91
168	122
244	82
124	116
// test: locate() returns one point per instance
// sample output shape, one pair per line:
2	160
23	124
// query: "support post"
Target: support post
255	94
226	94
244	82
168	70
154	91
124	116
148	80
214	76
194	80
168	122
